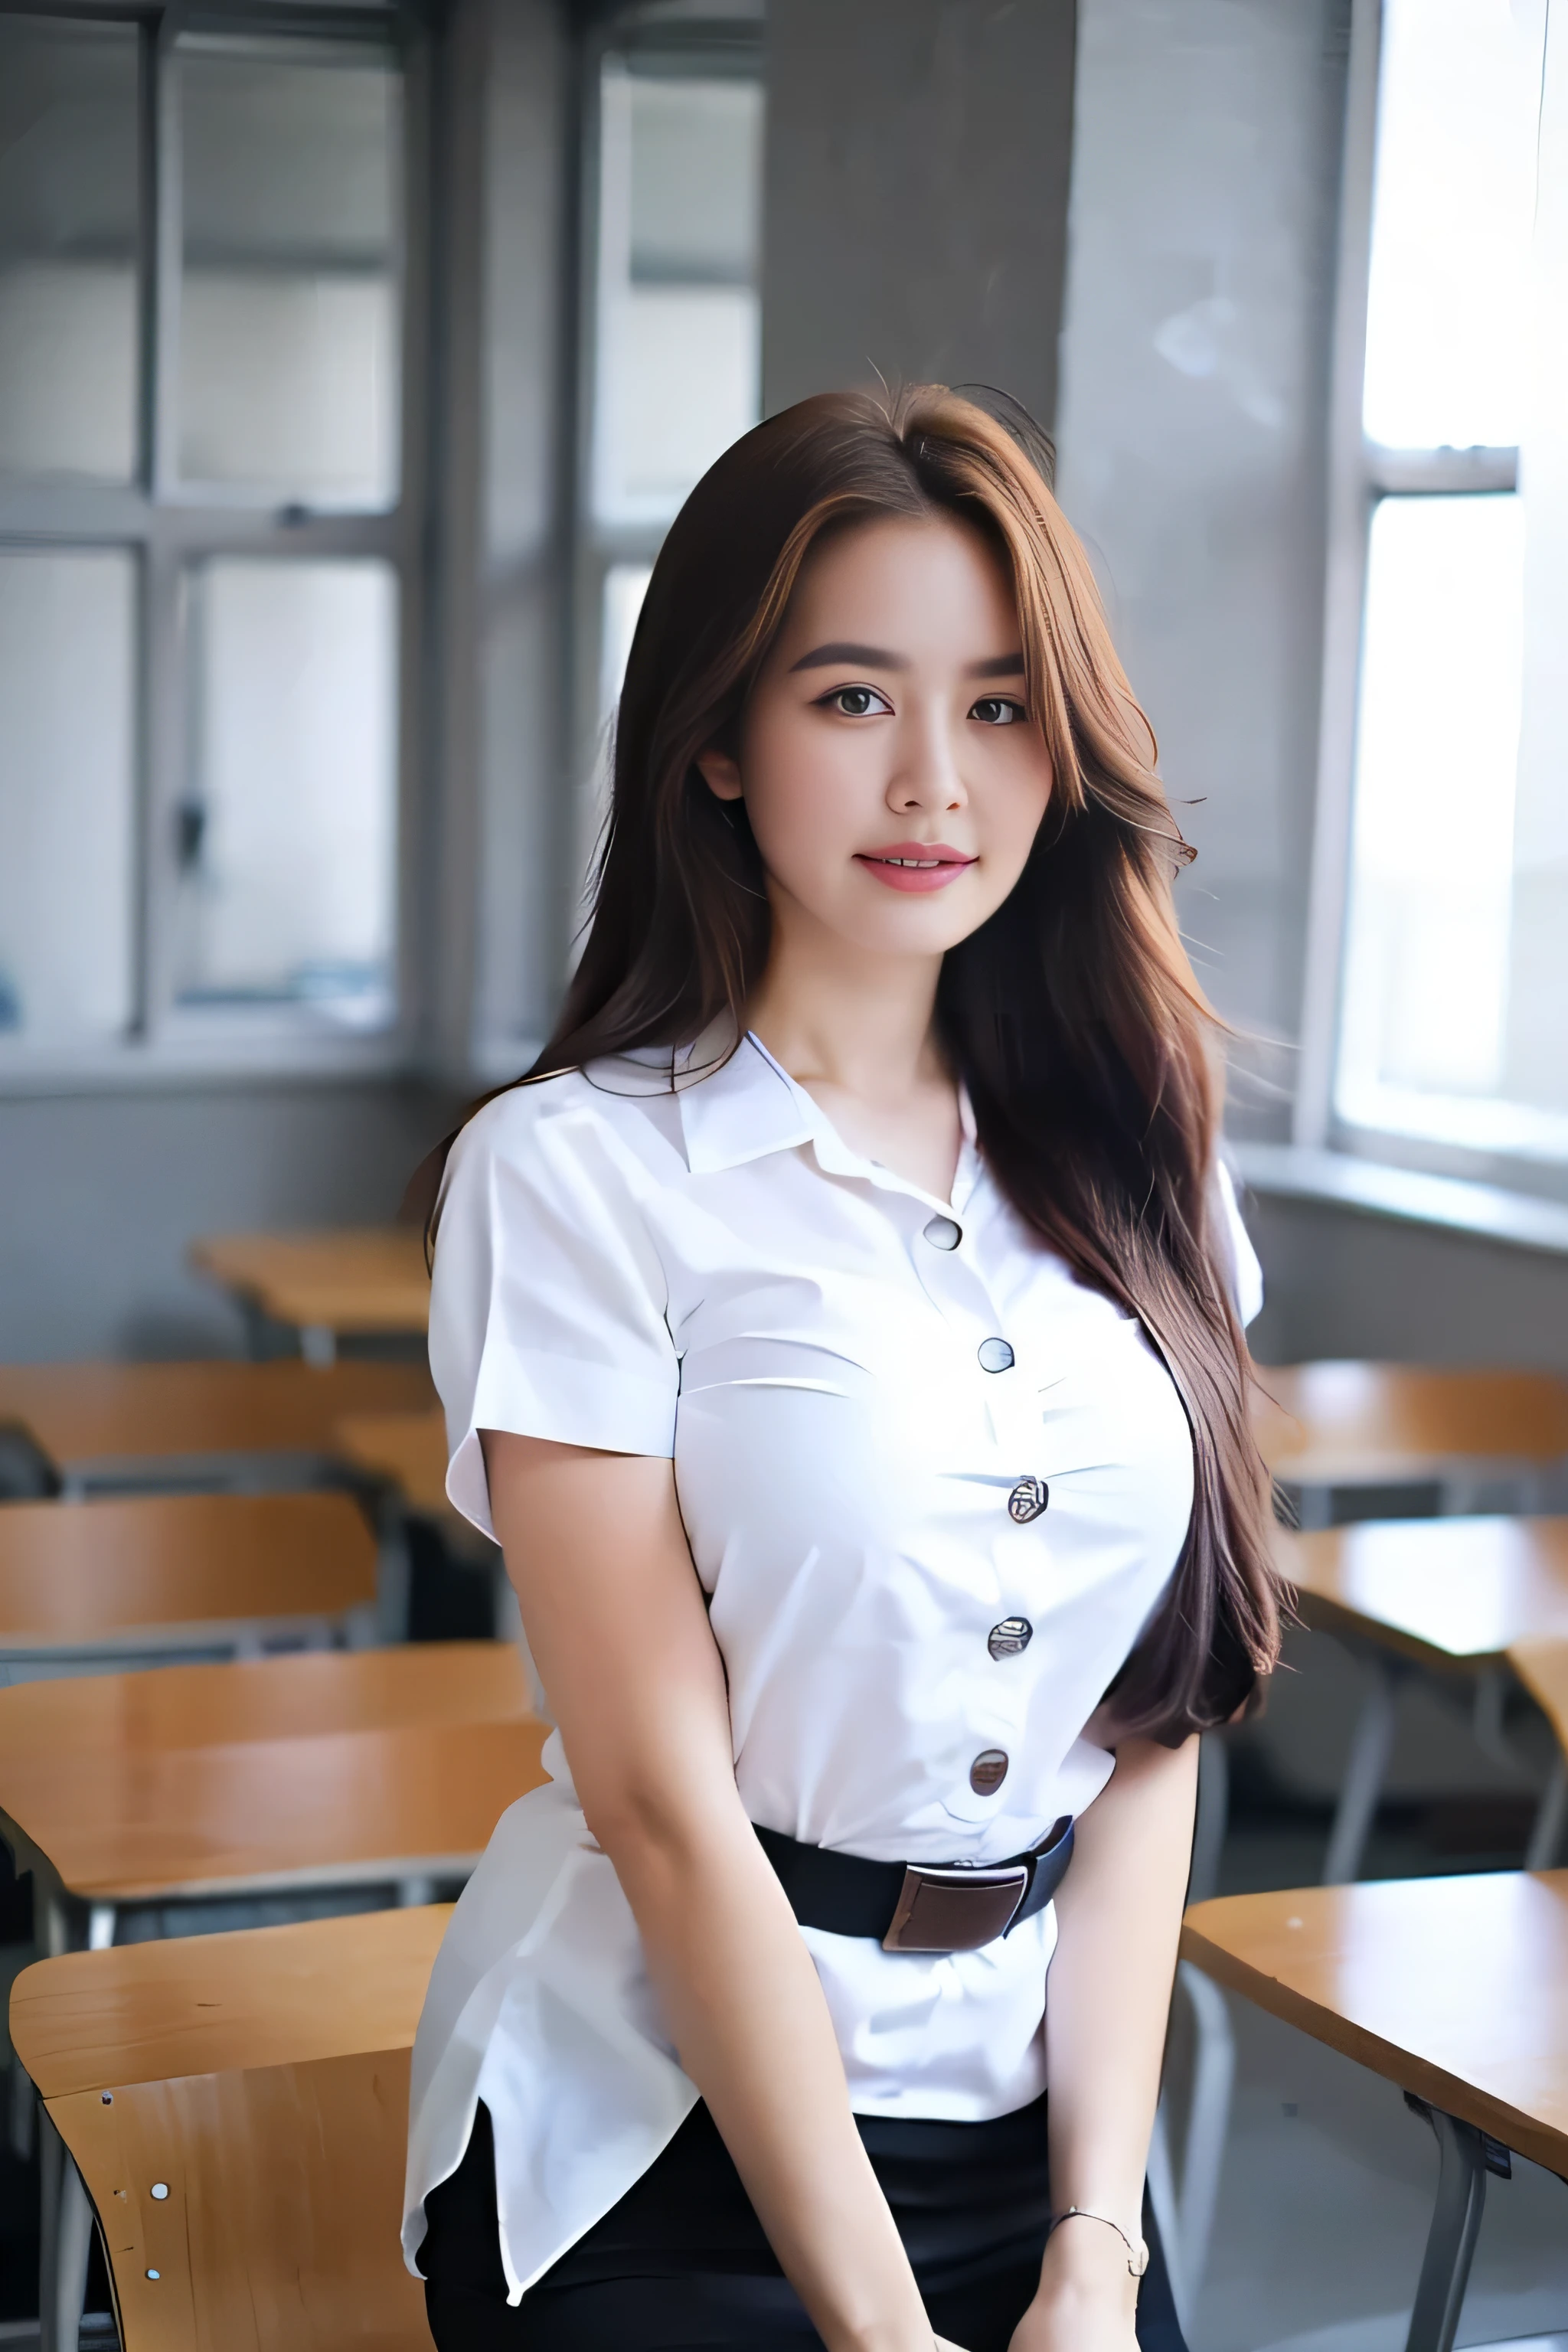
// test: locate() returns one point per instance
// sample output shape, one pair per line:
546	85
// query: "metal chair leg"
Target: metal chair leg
1161	2188
1451	2241
1551	1820
67	2244
1365	1767
1209	2121
1212	1816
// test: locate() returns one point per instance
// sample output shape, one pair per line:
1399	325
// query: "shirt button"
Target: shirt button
942	1233
1007	1640
1028	1500
996	1355
988	1771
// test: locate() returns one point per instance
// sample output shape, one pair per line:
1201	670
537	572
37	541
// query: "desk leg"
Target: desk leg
1451	2241
1370	1745
1551	1819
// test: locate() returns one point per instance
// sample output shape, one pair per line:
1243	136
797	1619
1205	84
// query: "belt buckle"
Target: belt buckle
942	1909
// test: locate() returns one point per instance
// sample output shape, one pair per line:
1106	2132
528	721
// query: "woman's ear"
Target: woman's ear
721	774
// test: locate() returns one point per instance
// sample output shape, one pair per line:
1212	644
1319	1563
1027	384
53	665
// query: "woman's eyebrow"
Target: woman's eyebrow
869	657
878	658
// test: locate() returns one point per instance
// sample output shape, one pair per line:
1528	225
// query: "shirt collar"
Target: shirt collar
736	1103
739	1105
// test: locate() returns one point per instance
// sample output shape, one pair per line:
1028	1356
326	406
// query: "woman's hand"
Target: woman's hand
1086	2301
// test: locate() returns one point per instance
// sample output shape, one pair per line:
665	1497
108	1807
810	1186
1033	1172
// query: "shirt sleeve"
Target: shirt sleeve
547	1302
1245	1273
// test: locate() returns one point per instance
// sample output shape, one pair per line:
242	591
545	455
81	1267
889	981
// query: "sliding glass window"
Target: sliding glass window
1453	1021
206	522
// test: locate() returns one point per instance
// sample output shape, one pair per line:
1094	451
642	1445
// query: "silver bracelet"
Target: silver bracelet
1137	2255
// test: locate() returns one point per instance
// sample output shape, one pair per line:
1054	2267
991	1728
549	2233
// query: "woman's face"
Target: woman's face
891	776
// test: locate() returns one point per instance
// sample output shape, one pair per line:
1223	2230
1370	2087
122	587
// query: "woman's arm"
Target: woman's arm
616	1621
1118	1915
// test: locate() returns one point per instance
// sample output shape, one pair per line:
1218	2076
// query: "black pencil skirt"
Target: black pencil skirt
682	2259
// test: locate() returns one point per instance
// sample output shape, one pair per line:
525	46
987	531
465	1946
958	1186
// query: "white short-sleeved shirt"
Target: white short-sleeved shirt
852	1378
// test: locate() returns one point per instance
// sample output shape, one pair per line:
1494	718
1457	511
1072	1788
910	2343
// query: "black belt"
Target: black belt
918	1906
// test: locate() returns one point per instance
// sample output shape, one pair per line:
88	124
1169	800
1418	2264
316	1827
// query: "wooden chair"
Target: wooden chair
1456	1989
327	1286
1449	1596
202	1424
160	1576
285	1776
237	2106
1332	1426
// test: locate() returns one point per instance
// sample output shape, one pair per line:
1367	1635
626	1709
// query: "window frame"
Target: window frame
727	45
167	528
1361	474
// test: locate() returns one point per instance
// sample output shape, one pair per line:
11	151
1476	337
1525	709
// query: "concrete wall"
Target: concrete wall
1341	1282
916	193
103	1194
1194	364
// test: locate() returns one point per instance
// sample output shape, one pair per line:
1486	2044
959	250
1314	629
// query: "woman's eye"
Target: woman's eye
996	710
856	701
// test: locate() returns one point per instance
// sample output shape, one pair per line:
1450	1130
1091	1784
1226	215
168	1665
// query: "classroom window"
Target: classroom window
674	349
205	535
1453	994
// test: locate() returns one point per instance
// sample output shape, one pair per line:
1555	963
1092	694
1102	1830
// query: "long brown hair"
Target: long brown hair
1072	1014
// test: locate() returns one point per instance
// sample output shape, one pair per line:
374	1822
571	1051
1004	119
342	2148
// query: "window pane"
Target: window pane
625	585
1447	320
1426	988
66	795
288	842
288	305
679	323
68	248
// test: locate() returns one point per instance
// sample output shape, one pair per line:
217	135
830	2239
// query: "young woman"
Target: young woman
839	1331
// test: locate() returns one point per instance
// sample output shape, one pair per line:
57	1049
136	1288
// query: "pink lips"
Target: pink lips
915	864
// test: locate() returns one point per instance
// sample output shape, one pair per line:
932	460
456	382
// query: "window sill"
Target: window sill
1406	1195
228	1059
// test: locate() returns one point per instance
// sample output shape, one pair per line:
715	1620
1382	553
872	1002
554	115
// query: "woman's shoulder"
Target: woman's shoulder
621	1106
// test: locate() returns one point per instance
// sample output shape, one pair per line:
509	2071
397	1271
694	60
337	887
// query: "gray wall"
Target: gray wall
1192	431
916	175
1342	1282
103	1193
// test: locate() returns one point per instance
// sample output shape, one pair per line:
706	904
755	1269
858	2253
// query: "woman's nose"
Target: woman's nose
926	776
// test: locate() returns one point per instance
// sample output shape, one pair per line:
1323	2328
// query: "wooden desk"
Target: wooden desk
104	1419
1450	1595
301	1695
152	1573
1446	1593
262	2079
360	1280
405	1803
408	1449
1346	1424
1455	1989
